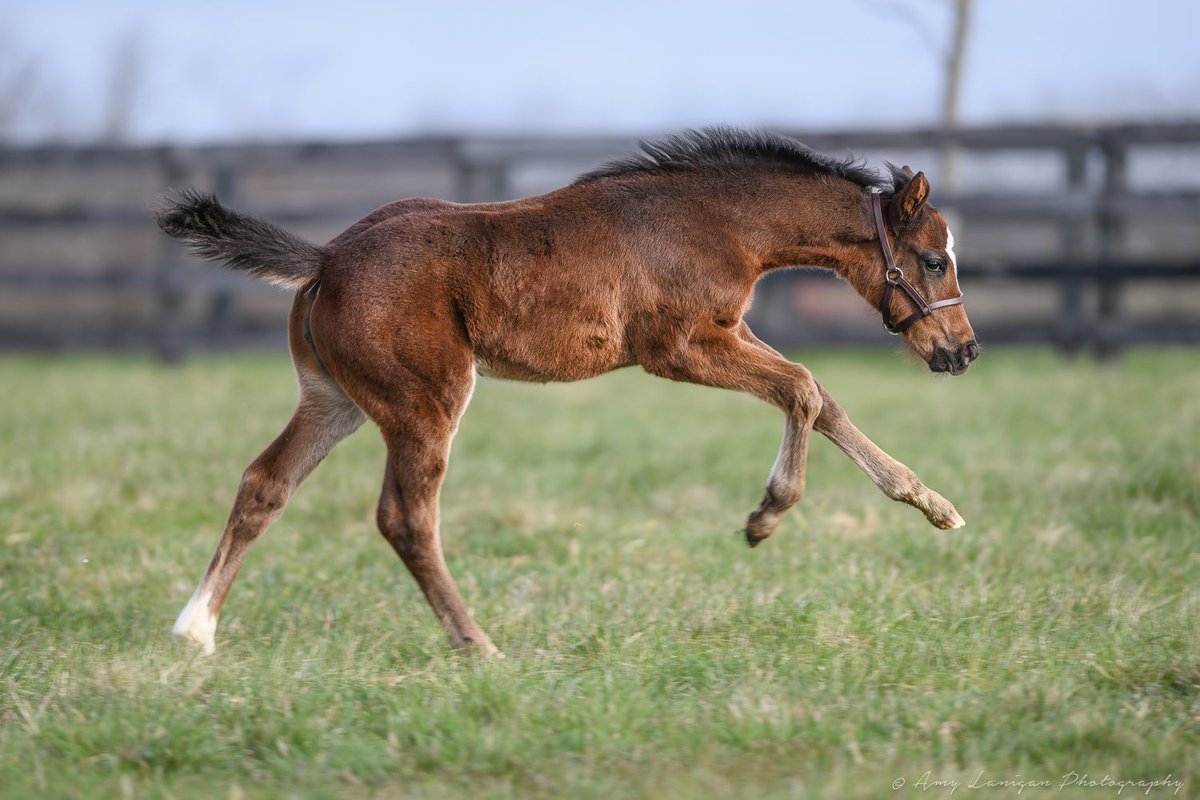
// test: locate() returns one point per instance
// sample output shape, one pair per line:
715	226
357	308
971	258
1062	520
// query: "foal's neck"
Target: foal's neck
813	221
788	220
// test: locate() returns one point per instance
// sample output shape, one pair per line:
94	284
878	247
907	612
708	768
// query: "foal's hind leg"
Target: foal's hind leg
418	441
408	519
715	356
893	478
323	418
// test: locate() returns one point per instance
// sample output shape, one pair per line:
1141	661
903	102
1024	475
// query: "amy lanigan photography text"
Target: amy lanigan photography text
1018	783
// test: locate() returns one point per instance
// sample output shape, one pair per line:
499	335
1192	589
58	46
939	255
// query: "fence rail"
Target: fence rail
1093	208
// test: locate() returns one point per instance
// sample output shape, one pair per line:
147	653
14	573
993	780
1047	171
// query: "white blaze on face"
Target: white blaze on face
197	623
950	251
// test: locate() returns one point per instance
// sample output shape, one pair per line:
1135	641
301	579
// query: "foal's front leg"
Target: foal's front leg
893	478
719	357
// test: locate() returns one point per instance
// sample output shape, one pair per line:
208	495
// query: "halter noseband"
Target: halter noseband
893	278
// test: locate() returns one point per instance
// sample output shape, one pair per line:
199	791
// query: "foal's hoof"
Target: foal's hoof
479	647
490	653
941	513
759	526
197	624
954	520
207	645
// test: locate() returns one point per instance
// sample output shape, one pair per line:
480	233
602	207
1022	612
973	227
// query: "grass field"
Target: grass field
593	529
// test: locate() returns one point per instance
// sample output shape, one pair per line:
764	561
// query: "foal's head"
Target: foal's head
923	252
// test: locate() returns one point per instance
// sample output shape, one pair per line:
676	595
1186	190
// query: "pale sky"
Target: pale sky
235	69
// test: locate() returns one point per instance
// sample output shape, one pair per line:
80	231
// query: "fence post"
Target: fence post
222	305
1072	323
1107	338
170	345
480	179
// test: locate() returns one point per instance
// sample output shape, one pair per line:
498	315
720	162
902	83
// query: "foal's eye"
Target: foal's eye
934	264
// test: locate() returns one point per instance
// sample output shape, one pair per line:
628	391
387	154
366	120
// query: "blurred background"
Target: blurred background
1062	139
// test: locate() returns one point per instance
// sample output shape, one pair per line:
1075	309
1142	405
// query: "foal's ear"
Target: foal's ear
909	202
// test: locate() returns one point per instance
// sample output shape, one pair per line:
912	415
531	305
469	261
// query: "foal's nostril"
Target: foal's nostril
941	360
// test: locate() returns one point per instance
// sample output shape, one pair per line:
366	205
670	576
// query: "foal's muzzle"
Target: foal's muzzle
954	361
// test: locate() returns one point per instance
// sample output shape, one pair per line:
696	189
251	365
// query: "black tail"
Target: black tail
238	241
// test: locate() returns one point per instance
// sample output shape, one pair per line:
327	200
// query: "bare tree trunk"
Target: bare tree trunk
951	91
20	84
124	83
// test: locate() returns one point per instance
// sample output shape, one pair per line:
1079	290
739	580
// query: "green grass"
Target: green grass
593	529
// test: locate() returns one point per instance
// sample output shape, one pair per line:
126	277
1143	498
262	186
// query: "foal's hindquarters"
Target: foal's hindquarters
414	381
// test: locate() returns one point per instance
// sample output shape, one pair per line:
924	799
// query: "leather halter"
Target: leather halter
894	278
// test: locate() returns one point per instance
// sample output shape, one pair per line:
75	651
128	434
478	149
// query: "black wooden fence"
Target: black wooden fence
1101	218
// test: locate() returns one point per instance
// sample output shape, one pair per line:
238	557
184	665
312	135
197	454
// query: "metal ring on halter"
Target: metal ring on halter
898	274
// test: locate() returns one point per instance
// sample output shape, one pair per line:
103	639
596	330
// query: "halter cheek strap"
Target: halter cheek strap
894	279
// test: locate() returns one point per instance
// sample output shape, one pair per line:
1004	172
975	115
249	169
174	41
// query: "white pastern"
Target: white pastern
197	623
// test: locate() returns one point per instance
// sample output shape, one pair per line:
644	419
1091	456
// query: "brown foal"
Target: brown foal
648	261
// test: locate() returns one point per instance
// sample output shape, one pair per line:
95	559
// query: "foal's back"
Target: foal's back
557	287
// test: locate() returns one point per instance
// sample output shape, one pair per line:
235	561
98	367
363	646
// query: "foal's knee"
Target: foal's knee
390	521
404	531
800	399
808	400
261	494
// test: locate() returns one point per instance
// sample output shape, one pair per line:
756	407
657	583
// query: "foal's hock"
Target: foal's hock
649	261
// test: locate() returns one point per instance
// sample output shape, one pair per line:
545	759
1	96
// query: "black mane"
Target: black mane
725	147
